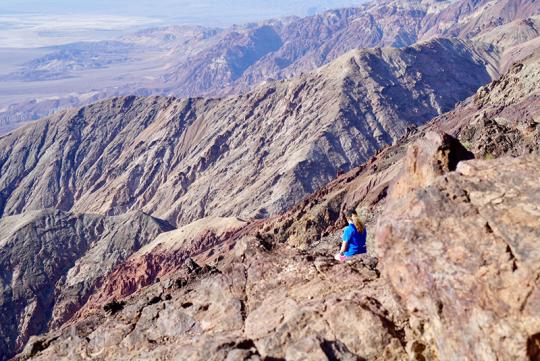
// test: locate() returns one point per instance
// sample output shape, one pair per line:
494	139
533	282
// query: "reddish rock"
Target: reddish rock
462	253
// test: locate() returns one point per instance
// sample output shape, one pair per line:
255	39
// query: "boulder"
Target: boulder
462	252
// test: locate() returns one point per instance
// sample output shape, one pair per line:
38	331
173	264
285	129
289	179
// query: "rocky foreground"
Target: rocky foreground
451	254
453	271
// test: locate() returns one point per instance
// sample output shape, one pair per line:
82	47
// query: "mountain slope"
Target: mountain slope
504	116
515	40
469	18
51	262
246	156
375	24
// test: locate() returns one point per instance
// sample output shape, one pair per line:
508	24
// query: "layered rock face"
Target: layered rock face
473	18
165	254
247	156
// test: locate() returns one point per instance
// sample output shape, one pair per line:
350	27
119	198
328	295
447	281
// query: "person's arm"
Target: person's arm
344	246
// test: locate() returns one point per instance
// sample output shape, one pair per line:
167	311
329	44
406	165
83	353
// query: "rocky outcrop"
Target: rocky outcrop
503	118
251	304
461	254
51	262
434	155
458	247
181	160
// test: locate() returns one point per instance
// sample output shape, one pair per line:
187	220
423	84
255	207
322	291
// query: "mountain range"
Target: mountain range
203	227
196	61
251	155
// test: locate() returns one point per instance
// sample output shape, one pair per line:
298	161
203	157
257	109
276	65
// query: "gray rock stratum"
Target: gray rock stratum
247	156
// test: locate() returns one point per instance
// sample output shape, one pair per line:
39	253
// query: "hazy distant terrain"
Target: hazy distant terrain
61	53
32	23
190	61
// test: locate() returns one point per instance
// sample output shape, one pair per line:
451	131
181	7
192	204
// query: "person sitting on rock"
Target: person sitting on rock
354	237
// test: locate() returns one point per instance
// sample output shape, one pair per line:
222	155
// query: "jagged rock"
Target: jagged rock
114	307
192	266
312	348
435	154
461	252
501	118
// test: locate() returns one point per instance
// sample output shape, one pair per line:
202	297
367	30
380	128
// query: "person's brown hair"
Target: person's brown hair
355	218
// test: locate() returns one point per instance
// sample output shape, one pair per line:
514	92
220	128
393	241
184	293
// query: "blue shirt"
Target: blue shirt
356	241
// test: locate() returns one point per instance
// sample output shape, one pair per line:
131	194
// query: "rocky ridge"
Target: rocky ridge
181	159
496	121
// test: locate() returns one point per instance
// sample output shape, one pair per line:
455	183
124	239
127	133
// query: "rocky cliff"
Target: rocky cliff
452	274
